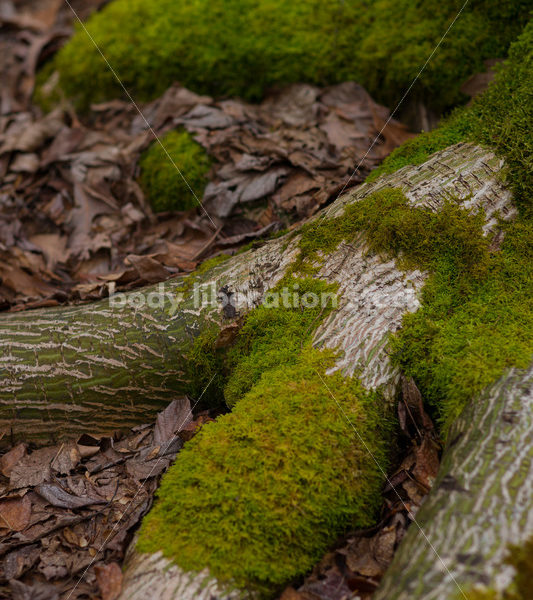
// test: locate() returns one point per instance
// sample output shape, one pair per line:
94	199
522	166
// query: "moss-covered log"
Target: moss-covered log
374	295
119	360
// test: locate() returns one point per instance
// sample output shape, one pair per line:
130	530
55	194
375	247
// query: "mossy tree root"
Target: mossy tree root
84	360
375	295
481	501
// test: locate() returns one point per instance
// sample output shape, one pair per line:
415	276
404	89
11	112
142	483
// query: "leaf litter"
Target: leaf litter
74	222
68	508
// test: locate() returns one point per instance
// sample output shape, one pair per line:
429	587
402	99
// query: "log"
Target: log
375	295
481	501
115	363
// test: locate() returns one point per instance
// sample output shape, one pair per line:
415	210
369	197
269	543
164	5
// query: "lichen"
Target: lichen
162	183
259	495
241	48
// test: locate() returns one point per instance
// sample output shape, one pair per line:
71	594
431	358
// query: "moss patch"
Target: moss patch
164	187
469	331
501	118
242	47
275	332
259	495
476	318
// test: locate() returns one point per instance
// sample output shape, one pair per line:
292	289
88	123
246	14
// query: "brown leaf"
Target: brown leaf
19	561
176	416
149	269
11	458
109	578
15	513
56	496
427	462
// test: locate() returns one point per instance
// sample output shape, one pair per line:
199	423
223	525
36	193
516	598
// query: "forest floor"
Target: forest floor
75	226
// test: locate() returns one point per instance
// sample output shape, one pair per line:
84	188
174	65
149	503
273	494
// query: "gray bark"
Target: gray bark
481	502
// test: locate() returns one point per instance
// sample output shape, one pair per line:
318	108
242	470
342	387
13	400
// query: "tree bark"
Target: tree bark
374	297
101	366
481	501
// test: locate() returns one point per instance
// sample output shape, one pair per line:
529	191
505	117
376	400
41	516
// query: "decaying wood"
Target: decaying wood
374	297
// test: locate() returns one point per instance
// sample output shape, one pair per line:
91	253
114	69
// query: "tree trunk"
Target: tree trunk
374	297
481	501
112	364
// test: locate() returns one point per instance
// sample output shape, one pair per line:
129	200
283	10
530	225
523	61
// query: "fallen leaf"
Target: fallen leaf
109	578
15	513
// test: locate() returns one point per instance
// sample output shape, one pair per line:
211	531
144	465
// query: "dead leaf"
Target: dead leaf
11	458
109	578
173	419
15	513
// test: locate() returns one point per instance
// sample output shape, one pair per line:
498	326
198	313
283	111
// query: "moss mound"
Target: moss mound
273	483
164	187
501	118
242	47
476	318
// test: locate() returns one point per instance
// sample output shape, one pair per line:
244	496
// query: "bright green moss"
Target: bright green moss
476	318
242	47
275	332
469	331
501	118
259	495
164	187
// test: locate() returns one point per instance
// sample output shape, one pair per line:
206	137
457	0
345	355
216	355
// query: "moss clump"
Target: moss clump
164	187
275	332
476	318
242	47
501	118
469	331
259	495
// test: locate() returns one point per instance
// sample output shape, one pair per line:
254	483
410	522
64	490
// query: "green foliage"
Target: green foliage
501	118
160	180
259	495
242	47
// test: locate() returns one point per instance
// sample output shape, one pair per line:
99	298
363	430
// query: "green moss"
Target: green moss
205	370
501	118
468	332
275	332
164	187
259	495
230	47
476	318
